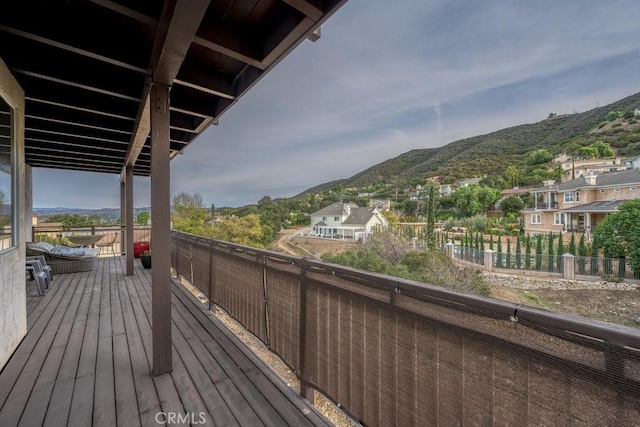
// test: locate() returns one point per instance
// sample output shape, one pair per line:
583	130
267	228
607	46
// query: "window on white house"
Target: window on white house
336	218
568	197
324	218
536	219
577	196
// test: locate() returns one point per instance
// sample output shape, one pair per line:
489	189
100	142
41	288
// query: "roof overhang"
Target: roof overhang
87	66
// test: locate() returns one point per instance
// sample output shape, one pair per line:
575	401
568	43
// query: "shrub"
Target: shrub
602	124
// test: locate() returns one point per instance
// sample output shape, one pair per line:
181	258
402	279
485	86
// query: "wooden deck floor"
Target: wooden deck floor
87	357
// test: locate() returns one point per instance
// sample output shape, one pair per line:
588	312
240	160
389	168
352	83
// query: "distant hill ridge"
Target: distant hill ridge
491	153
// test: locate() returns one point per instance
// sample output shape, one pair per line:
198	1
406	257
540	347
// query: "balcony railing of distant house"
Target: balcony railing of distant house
397	352
545	205
53	233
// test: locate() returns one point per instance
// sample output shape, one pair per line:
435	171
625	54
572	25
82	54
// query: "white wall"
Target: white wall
13	304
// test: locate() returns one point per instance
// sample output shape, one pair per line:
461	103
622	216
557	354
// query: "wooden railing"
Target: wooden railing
51	233
397	352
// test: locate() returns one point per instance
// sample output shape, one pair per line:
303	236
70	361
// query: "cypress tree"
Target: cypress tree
499	256
572	244
550	252
539	252
491	239
431	218
518	253
508	253
527	252
560	252
582	253
482	243
595	255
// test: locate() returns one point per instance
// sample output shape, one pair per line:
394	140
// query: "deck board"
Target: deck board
86	360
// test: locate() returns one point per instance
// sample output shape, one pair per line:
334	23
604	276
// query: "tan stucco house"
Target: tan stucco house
580	204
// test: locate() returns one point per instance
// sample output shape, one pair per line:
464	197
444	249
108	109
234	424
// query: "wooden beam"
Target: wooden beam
129	219
160	231
310	9
177	28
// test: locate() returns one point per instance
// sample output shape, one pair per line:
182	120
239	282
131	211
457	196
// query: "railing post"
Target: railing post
488	259
569	265
448	249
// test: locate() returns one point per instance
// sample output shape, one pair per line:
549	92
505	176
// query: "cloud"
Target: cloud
388	77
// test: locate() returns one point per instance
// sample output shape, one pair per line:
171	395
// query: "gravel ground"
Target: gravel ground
325	406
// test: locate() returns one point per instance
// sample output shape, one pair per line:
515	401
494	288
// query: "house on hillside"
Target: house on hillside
380	205
468	182
632	162
580	204
346	220
573	169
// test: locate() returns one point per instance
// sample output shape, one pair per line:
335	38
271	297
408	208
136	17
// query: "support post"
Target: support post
488	259
448	249
160	231
129	218
123	218
569	266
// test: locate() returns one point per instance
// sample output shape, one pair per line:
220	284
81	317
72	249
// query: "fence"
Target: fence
397	352
51	233
608	268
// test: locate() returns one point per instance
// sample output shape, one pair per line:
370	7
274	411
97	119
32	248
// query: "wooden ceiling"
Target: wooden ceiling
86	68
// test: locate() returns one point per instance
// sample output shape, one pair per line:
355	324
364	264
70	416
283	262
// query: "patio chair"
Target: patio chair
45	267
108	244
63	259
34	272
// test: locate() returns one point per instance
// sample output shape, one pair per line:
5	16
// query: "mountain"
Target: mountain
491	153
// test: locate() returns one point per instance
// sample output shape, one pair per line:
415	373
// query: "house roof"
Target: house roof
321	224
359	216
601	206
87	67
609	179
516	191
335	209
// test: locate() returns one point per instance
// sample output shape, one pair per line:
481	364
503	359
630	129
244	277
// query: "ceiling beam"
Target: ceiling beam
309	9
175	32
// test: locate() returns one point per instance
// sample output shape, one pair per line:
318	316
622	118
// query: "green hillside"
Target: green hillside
491	153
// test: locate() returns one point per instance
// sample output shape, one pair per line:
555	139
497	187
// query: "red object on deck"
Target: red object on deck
139	248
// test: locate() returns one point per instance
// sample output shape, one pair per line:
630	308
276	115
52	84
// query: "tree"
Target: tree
190	213
431	218
539	252
518	252
539	157
613	115
604	149
511	205
582	253
513	176
550	252
619	234
143	218
572	245
560	252
244	230
473	200
527	252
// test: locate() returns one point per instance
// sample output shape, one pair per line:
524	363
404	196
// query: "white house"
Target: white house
346	220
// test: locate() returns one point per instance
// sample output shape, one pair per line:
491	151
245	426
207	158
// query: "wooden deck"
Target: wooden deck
86	360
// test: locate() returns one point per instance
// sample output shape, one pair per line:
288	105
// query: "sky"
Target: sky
387	77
